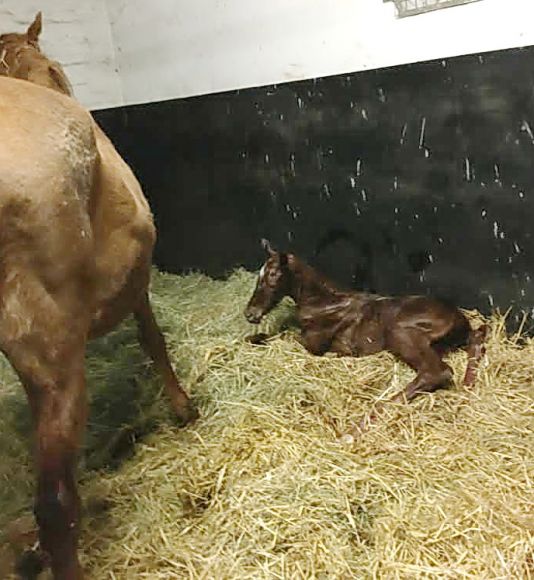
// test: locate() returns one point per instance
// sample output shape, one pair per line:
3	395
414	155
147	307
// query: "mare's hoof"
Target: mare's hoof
187	414
21	554
259	338
30	564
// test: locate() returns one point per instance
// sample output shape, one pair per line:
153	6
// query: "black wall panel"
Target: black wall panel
417	178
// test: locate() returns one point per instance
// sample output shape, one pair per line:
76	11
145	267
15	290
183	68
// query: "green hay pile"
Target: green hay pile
260	487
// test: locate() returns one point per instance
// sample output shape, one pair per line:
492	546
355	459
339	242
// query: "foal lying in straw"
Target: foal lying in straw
417	329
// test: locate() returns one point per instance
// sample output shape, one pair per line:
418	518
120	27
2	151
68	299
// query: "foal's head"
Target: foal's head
21	58
274	282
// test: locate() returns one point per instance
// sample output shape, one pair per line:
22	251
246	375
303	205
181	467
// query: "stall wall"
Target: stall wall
177	48
417	178
389	176
120	52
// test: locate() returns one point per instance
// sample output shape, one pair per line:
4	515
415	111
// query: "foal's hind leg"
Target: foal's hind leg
414	348
153	343
476	349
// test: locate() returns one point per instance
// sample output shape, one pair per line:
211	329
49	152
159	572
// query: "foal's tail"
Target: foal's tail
475	351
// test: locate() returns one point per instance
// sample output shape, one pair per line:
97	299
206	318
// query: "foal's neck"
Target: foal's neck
307	285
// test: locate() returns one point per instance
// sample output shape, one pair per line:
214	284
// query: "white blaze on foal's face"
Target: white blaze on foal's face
262	273
269	289
270	273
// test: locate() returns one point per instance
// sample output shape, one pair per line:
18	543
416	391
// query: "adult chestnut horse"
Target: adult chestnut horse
417	329
76	240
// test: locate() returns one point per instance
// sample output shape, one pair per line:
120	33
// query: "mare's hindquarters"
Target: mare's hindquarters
47	272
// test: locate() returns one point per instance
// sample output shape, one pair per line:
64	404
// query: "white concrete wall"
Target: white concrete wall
77	33
135	51
176	48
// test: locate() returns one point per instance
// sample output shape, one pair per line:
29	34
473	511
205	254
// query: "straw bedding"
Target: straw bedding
260	487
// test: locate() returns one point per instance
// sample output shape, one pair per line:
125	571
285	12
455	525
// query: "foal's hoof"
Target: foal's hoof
258	338
187	413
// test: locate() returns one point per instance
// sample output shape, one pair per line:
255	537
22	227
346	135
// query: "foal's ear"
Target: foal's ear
266	245
34	30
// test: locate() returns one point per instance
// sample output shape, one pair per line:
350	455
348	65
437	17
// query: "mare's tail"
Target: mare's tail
475	351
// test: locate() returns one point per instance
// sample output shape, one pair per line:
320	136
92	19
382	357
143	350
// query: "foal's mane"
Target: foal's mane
21	57
301	267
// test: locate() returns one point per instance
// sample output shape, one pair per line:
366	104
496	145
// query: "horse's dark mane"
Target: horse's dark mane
334	289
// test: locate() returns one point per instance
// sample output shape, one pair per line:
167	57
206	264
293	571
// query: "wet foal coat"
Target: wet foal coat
76	241
417	329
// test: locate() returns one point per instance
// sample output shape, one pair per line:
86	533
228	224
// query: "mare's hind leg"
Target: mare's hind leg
53	376
152	340
414	348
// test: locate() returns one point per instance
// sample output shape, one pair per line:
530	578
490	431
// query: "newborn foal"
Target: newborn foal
417	329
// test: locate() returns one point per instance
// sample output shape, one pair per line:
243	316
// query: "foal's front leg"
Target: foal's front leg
151	338
314	342
257	338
